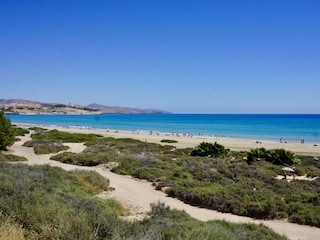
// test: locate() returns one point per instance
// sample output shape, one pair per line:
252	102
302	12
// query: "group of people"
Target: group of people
284	141
293	172
281	141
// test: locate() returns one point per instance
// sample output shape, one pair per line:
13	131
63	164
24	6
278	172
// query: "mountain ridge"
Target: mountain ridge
22	106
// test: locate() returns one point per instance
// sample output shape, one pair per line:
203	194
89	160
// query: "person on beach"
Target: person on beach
294	172
284	175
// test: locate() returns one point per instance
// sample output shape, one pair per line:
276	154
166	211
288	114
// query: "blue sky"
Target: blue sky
215	56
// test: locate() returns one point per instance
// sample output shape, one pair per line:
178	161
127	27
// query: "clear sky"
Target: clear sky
214	56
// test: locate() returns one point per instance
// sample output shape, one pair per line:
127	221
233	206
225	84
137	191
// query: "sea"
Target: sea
269	127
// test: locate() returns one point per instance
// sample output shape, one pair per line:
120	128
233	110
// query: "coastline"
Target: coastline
188	141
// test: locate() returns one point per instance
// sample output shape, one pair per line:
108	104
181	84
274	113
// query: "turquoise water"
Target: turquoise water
289	127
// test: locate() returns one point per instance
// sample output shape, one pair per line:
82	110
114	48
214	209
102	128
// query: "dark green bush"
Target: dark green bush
256	155
20	131
280	157
7	132
169	141
275	156
206	149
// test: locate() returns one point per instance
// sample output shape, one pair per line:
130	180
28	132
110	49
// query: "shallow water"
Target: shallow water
288	127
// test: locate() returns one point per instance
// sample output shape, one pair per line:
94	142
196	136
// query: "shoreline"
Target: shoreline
297	128
186	140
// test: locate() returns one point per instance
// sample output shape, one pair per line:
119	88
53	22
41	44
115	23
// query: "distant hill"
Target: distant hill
115	109
17	101
21	106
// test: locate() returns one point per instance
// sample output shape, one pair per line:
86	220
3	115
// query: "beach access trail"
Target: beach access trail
137	195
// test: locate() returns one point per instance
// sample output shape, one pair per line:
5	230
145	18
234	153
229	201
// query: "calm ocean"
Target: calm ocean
289	127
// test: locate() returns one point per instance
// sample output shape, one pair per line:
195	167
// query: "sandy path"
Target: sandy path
138	195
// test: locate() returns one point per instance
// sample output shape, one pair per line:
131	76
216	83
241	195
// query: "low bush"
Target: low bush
20	131
11	158
168	141
305	213
55	135
173	224
206	149
9	229
84	158
275	156
43	202
45	146
312	171
37	129
52	204
93	181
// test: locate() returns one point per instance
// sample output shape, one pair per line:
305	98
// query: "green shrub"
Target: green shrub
280	157
50	203
312	171
46	202
37	129
305	213
11	158
92	180
7	132
275	156
127	165
55	135
206	149
20	131
256	155
169	141
85	158
45	146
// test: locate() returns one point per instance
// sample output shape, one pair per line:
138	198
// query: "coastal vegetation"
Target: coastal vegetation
275	156
206	149
168	141
210	176
20	131
222	180
11	158
7	132
45	142
43	202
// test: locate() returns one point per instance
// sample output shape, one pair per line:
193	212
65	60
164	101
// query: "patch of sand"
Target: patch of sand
75	147
291	178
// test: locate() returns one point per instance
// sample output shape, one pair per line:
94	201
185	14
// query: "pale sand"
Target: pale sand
190	142
137	195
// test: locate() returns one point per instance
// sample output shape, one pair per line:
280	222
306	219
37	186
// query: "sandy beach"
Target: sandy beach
186	141
136	195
